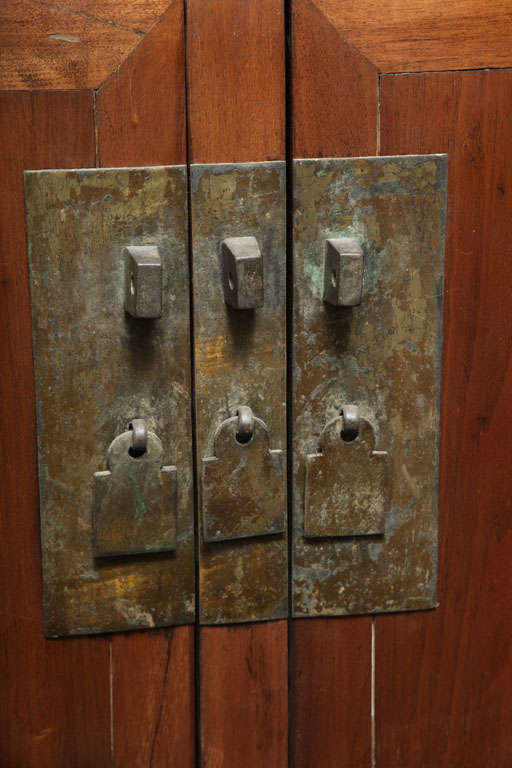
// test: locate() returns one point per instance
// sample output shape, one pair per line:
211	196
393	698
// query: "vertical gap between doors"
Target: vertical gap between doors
289	350
374	618
97	164
197	631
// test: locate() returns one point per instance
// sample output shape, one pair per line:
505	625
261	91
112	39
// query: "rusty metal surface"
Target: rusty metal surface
97	368
243	485
347	484
239	360
384	356
135	500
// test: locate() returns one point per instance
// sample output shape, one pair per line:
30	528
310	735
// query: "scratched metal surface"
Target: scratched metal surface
240	359
385	357
96	368
242	486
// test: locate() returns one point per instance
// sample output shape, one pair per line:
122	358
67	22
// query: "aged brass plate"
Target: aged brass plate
239	361
96	369
243	486
347	485
384	356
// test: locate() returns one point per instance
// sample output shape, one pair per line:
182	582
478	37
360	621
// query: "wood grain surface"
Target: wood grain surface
335	104
54	697
236	113
244	699
141	108
330	695
443	679
79	43
141	121
236	80
414	35
334	90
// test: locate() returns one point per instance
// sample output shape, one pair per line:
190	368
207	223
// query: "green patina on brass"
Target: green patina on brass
240	360
384	356
135	501
96	369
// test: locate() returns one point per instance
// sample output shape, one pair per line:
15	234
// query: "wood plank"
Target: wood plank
335	102
139	15
44	47
153	698
244	695
330	693
141	121
236	80
416	36
54	700
335	90
236	114
141	108
443	679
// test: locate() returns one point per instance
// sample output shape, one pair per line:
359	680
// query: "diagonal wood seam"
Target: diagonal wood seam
131	52
101	23
339	33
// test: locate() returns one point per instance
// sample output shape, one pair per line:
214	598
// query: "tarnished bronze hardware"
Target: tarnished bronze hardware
343	272
350	421
139	435
364	525
245	426
240	358
96	366
347	482
242	272
243	483
135	501
143	281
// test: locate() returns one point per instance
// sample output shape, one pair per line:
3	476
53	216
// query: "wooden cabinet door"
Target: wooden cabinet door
88	82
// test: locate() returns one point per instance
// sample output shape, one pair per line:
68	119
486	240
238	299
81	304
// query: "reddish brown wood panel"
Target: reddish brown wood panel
244	695
142	121
70	43
419	35
331	693
236	80
236	114
54	696
335	90
335	104
153	698
444	678
141	107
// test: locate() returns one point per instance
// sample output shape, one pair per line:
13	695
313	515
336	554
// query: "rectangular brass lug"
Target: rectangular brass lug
240	379
367	332
117	528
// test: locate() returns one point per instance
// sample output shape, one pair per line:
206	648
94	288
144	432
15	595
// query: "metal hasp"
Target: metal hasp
243	484
242	272
96	369
364	533
135	501
347	483
143	281
240	361
343	272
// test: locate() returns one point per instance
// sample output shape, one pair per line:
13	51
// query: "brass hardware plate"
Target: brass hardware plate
347	485
383	355
239	361
134	500
243	485
97	368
